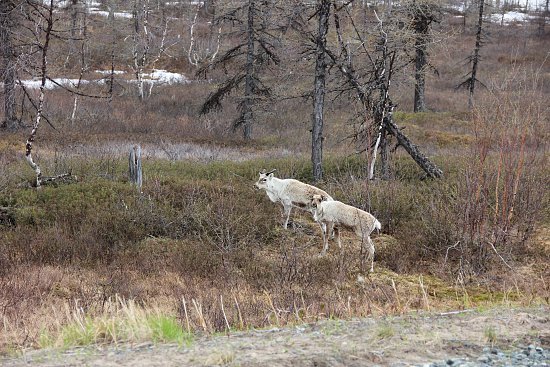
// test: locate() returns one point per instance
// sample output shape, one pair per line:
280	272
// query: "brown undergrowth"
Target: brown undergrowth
79	262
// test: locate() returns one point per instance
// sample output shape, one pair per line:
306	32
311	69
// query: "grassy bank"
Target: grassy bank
201	251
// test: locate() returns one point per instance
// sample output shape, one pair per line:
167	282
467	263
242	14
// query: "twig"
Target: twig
224	316
241	323
396	294
186	315
198	308
424	294
272	307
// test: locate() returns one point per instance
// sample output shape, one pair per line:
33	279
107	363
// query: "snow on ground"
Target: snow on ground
192	2
107	72
166	77
70	83
511	17
105	14
155	77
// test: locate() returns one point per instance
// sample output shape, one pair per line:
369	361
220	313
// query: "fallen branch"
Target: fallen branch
65	177
428	166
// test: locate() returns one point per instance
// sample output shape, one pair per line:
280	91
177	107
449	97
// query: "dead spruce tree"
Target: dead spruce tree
471	80
319	87
422	13
381	58
8	21
250	24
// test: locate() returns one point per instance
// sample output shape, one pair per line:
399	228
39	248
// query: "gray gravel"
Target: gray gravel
531	355
519	337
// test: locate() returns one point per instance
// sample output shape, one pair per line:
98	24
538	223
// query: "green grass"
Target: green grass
122	322
490	335
165	329
385	331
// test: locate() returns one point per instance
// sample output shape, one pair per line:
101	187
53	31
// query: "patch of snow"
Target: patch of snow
35	84
106	13
93	3
166	77
107	72
156	77
511	17
459	8
56	3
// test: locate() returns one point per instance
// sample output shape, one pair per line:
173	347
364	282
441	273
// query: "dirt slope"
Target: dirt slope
405	340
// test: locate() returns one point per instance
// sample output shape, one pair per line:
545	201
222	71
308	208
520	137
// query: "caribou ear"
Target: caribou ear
262	172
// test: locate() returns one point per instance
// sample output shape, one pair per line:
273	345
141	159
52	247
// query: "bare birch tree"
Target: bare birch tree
39	19
45	15
143	40
203	48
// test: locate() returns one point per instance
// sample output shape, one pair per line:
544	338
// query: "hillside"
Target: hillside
86	259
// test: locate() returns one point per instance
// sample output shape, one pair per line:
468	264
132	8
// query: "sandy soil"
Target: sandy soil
393	341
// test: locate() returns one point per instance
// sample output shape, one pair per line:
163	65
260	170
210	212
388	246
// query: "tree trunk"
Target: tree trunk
249	79
135	168
319	91
40	108
384	156
475	57
421	30
424	163
464	16
8	66
542	21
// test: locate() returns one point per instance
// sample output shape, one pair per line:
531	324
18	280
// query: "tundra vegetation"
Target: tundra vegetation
87	258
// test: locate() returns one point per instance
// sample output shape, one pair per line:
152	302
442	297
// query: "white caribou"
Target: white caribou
335	213
290	193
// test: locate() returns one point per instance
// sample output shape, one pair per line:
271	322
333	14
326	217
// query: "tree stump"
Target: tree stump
134	167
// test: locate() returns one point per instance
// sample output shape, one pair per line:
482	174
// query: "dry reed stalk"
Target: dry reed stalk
241	323
495	218
518	174
270	301
296	311
304	304
198	308
225	316
424	293
396	295
186	314
465	294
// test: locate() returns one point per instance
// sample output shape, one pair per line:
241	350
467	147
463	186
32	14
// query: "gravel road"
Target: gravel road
499	337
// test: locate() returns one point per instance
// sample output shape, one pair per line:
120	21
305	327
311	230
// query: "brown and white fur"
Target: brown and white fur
336	213
290	193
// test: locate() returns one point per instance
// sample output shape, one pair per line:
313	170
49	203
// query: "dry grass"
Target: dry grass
202	252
